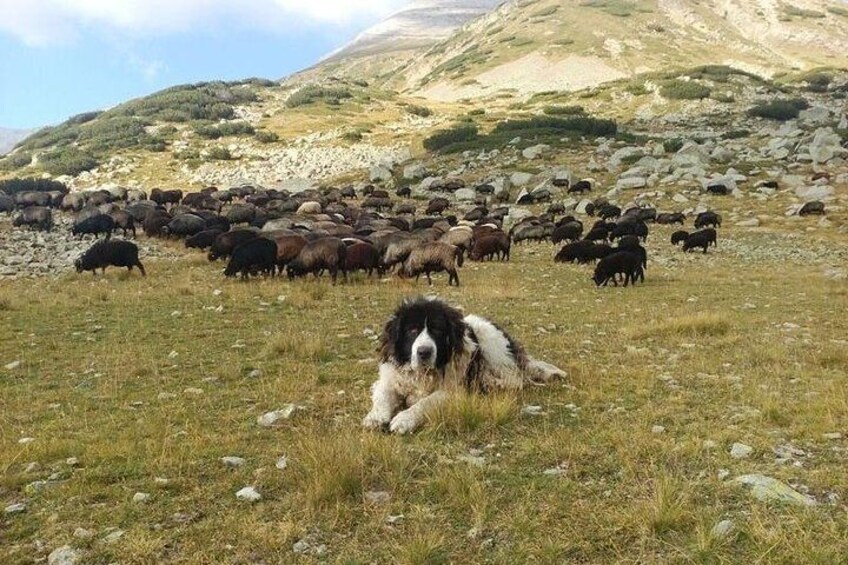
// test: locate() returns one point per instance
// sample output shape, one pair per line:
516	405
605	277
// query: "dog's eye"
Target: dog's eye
413	331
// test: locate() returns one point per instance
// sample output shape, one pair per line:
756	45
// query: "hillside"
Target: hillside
540	45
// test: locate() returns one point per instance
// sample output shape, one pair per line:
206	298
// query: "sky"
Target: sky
59	58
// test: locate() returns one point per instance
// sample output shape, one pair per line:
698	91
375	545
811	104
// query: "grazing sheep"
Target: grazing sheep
241	214
348	192
718	189
529	232
437	206
398	249
362	256
702	239
434	258
671	218
571	231
202	240
597	234
630	227
582	252
405	208
95	225
556	208
812	208
289	247
461	236
155	223
491	245
7	204
226	242
163	197
124	221
377	203
608	212
185	225
679	236
32	199
116	252
35	217
72	202
328	253
580	187
631	244
705	219
258	255
404	192
476	214
309	208
623	263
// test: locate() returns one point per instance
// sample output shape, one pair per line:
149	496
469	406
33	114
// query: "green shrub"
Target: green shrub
636	88
264	136
16	161
108	134
724	98
67	161
477	112
564	110
550	10
673	145
580	125
83	118
818	82
791	10
352	136
314	93
684	90
54	136
838	10
16	185
167	130
780	110
227	129
736	134
218	153
420	111
443	138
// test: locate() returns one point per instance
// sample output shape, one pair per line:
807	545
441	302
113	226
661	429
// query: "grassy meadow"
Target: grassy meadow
148	382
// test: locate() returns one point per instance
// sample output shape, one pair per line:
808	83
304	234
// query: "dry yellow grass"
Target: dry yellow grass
98	382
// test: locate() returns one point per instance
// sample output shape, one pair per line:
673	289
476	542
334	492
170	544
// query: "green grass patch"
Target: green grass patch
684	90
779	110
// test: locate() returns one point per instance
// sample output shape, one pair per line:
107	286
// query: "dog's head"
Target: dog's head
423	334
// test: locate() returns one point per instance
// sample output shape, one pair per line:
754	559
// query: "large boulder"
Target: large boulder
826	145
380	173
520	179
631	183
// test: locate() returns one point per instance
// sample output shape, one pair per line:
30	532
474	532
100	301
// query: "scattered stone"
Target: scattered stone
232	461
270	419
254	374
531	410
12	366
114	536
249	494
141	497
26	440
832	435
282	463
520	179
395	519
768	489
741	451
750	223
377	497
473	460
15	508
65	555
722	529
658	430
83	534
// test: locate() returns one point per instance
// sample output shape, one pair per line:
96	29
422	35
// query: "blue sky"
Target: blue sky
62	57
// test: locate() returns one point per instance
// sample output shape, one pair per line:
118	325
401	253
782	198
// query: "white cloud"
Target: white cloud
44	22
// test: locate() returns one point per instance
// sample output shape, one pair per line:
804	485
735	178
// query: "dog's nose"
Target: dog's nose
425	353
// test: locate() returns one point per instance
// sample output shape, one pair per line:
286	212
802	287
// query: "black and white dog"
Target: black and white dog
428	349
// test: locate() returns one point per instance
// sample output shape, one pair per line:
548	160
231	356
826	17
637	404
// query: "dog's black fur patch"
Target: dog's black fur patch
444	324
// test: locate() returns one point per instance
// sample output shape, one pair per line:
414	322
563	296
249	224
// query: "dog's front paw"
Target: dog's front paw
405	423
374	421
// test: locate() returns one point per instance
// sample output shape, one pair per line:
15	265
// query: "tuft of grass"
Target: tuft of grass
423	549
694	325
464	413
304	346
668	509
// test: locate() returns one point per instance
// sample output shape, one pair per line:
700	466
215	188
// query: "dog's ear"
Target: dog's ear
455	332
388	339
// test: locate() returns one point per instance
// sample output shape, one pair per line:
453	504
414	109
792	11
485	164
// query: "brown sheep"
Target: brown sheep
362	256
434	258
288	248
327	253
486	247
460	236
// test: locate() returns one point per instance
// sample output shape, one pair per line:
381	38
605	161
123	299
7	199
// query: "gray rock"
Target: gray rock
83	534
535	151
625	154
826	145
249	494
141	497
768	489
114	536
750	223
722	529
232	461
465	195
65	555
690	155
632	183
811	193
520	179
815	116
414	171
15	508
380	173
741	451
282	462
12	366
272	418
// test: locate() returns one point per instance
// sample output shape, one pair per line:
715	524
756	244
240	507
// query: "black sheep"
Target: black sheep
679	236
570	231
702	239
226	242
116	252
812	208
705	219
624	263
671	218
608	212
581	187
256	256
637	228
631	244
203	240
95	225
582	252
